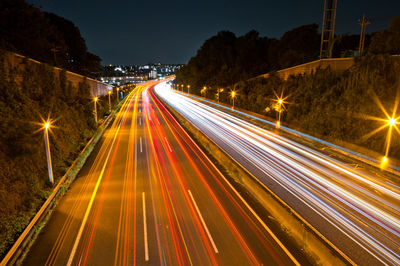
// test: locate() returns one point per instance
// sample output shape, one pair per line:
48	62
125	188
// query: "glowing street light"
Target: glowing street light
46	127
109	100
218	92
280	107
203	91
188	87
182	87
391	122
95	99
233	94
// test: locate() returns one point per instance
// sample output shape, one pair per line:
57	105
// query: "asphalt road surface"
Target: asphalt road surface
148	195
357	210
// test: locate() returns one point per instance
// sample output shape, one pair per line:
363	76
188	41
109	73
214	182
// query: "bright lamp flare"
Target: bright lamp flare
392	122
47	125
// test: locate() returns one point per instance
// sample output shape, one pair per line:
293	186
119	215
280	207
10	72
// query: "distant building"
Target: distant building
120	75
153	74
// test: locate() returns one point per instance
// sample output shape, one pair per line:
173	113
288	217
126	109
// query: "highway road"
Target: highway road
148	195
357	210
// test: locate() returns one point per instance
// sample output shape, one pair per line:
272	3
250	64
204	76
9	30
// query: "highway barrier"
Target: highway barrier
313	243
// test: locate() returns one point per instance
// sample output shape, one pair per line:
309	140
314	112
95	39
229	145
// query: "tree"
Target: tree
45	37
387	41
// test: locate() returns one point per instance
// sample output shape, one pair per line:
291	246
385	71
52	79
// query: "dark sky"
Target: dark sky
139	32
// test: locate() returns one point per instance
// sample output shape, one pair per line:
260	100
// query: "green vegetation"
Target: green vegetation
327	104
46	37
332	105
30	93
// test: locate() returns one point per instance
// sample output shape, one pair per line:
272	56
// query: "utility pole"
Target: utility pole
328	28
363	22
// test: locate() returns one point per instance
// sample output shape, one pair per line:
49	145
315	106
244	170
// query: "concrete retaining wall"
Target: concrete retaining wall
335	64
97	88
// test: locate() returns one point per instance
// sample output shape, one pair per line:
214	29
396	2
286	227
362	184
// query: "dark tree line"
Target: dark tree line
46	37
225	59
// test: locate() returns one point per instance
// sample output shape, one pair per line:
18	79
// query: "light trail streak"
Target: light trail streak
146	245
83	224
364	208
152	182
359	155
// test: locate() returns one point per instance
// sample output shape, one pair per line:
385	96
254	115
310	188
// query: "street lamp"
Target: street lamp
188	87
203	91
117	94
182	87
95	108
109	100
233	94
391	122
218	92
280	106
46	128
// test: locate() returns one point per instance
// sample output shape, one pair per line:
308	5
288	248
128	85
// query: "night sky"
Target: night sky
139	32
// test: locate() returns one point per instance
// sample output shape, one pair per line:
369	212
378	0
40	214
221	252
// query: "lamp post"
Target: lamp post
188	87
280	102
233	94
95	108
218	92
109	101
203	91
391	122
117	94
46	127
182	87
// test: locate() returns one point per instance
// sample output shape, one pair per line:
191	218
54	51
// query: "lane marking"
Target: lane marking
140	110
169	147
141	150
140	121
146	247
202	221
